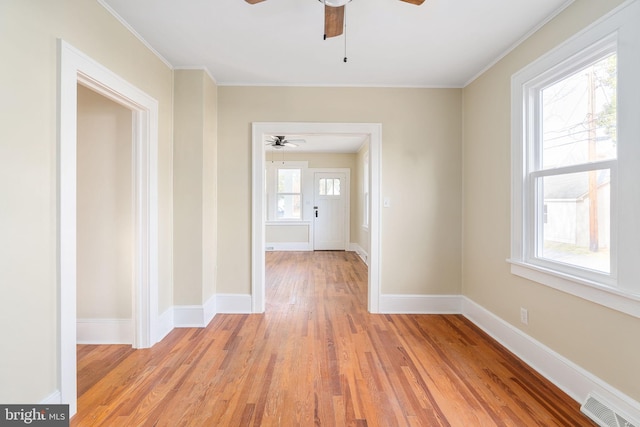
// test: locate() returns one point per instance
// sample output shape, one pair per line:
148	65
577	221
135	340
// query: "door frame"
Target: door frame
259	131
347	202
77	68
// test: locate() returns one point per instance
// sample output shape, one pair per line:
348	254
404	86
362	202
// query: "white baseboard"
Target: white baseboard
194	316
420	304
210	309
54	399
569	377
289	246
234	303
105	331
165	325
354	247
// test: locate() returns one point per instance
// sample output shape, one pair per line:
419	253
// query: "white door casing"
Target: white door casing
259	131
77	68
330	211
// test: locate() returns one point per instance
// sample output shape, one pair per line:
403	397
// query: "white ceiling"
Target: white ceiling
442	43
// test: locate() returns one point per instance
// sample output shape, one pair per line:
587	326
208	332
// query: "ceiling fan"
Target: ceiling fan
334	14
281	141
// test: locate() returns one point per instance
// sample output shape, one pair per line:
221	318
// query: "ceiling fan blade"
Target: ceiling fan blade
416	2
333	21
253	1
289	144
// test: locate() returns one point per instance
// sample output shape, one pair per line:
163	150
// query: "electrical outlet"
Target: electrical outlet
524	315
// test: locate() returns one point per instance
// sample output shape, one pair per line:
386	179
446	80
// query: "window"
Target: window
570	165
329	186
289	194
575	158
365	190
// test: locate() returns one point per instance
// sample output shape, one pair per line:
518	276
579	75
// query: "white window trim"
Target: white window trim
620	25
272	189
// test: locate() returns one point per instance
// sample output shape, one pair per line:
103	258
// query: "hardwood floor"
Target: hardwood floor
317	357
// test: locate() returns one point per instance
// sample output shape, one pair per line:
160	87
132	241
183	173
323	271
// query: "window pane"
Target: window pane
288	180
575	219
289	206
336	187
323	187
579	116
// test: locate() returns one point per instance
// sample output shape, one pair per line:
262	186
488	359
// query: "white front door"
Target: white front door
329	211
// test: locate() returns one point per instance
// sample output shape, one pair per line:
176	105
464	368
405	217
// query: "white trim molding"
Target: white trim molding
569	377
165	324
364	256
618	288
194	316
289	246
420	304
105	331
259	131
234	303
77	68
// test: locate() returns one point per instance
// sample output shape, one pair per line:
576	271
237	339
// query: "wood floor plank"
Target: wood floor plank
316	357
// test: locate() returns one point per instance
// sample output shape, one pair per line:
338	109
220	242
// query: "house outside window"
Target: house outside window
576	165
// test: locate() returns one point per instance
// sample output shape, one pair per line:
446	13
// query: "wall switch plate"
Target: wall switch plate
524	315
386	202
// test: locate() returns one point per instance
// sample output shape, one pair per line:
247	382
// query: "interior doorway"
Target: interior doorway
260	133
105	237
77	68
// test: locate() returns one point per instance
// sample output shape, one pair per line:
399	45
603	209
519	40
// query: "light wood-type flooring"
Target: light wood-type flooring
318	358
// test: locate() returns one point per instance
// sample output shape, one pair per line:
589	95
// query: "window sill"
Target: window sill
612	298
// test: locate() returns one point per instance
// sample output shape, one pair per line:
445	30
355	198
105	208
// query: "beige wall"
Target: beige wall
104	208
287	233
28	103
421	174
209	188
598	339
194	187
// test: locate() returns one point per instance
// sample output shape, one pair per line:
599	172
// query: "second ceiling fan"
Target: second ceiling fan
334	14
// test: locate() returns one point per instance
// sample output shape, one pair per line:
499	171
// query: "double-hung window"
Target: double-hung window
289	194
365	190
576	163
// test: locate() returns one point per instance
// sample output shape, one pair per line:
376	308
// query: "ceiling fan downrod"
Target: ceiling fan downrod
345	34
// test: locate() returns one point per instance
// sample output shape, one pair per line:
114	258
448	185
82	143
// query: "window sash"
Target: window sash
622	292
289	182
534	219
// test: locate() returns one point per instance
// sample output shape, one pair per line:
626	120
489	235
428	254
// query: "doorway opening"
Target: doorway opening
77	68
260	133
104	197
